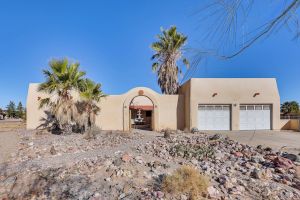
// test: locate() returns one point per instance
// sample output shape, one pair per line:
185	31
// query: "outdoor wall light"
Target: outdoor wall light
214	94
255	94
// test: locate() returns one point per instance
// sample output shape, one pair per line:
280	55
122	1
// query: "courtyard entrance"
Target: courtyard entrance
141	113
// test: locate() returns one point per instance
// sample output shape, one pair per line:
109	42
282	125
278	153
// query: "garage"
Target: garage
213	117
255	117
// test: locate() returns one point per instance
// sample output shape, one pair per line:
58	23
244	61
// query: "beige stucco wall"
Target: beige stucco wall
114	115
178	111
290	124
233	92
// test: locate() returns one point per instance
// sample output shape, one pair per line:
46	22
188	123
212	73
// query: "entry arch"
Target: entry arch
141	91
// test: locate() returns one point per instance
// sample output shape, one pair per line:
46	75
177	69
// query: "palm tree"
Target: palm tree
168	51
61	79
90	93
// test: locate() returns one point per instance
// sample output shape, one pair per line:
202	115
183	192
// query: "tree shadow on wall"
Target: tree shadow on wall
50	124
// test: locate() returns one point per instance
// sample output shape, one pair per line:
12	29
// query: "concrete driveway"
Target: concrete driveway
274	139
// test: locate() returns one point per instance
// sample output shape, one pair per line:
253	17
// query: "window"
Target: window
218	107
258	107
225	107
267	107
250	107
242	107
201	107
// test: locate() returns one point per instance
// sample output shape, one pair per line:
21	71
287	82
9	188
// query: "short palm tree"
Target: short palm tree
168	51
61	79
87	108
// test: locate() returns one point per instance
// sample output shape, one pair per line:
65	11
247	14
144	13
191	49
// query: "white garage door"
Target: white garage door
214	117
255	117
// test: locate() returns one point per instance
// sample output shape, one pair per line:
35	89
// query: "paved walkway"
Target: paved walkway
274	139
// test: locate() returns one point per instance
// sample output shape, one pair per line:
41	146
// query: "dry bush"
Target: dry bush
186	180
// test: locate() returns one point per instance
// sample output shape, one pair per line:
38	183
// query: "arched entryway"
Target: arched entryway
144	99
141	111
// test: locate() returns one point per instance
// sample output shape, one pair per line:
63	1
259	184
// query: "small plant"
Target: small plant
188	151
186	180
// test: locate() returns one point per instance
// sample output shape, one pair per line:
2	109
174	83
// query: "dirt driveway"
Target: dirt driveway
9	138
274	139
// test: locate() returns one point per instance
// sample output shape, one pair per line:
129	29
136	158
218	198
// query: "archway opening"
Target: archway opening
141	111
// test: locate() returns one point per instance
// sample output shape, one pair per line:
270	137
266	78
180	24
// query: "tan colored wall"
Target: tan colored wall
185	91
232	91
114	115
290	124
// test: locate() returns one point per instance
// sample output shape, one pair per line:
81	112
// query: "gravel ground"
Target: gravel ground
118	165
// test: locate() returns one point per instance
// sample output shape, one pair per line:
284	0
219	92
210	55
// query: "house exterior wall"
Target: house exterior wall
177	111
114	115
233	92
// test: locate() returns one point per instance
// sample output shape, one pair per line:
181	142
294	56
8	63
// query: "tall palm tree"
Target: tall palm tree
90	93
61	79
168	51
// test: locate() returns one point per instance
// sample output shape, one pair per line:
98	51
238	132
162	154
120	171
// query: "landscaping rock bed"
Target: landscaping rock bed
119	165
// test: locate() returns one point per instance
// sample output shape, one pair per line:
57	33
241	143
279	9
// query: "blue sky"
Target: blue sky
111	39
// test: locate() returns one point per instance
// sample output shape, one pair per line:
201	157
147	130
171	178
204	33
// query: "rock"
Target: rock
215	137
268	149
194	130
292	157
126	158
213	192
108	179
283	163
139	159
257	159
219	155
159	194
123	195
52	150
167	133
183	197
194	162
266	192
256	173
117	162
267	174
238	154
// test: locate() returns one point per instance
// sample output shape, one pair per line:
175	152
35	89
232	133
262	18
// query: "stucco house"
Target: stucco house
205	103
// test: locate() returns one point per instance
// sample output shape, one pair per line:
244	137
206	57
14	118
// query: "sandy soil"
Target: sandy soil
9	138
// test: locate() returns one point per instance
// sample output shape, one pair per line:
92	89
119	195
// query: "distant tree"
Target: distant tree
11	109
20	111
290	107
168	51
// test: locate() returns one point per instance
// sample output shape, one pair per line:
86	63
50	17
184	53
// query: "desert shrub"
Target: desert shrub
186	180
188	151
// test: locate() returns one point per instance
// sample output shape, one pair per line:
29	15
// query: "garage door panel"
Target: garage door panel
255	117
214	117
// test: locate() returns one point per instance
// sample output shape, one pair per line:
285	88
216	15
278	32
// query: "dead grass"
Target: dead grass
11	126
186	180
